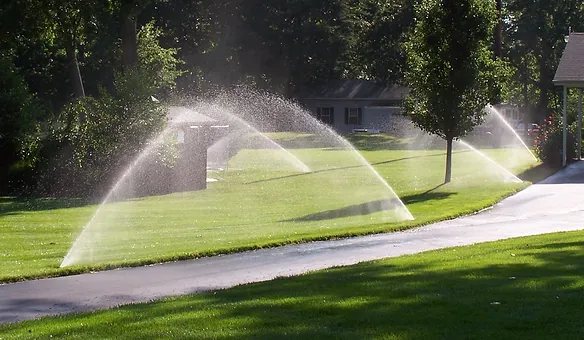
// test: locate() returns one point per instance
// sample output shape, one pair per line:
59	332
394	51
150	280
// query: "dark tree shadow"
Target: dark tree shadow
537	173
443	297
373	207
304	141
572	174
12	205
376	142
350	167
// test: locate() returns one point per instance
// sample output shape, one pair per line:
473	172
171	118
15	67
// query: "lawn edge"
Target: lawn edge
373	230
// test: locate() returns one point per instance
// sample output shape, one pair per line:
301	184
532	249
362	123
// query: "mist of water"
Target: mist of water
496	112
510	177
250	129
277	197
84	241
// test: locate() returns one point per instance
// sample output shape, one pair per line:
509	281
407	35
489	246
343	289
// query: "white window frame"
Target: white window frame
353	116
325	114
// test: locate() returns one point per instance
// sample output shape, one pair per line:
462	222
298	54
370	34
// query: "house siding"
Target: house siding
374	116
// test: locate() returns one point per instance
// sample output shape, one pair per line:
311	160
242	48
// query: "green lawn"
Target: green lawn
524	288
256	203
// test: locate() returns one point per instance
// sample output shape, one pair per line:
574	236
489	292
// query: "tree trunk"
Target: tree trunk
526	111
129	38
499	31
74	72
544	82
75	76
448	176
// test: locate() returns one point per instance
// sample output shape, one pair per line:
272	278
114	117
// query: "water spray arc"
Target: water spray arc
117	232
297	162
507	173
496	112
82	242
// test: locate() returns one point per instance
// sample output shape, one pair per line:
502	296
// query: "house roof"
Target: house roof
184	115
570	71
357	89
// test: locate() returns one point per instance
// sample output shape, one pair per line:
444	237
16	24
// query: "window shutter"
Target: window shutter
360	116
332	113
318	113
346	116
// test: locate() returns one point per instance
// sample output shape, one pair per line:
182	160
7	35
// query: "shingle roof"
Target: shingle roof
357	89
571	68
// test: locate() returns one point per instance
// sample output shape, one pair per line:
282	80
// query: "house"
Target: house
511	113
570	74
355	105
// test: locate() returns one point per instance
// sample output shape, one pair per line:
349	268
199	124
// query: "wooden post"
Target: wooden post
564	128
580	124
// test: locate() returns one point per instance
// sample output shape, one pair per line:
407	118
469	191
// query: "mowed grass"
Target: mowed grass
524	288
250	207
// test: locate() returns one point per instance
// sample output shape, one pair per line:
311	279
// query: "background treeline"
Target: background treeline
76	76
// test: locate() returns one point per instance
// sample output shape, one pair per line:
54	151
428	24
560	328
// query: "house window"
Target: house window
353	116
326	115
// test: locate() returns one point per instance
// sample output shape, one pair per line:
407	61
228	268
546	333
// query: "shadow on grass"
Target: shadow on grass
373	207
476	294
376	142
537	173
351	167
303	141
361	141
12	205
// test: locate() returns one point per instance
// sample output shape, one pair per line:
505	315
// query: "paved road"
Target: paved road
555	204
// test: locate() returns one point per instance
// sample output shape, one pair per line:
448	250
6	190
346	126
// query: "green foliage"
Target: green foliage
451	70
116	128
161	227
117	124
157	63
534	42
379	32
549	142
284	47
522	288
19	114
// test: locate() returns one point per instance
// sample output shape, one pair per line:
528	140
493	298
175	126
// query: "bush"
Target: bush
20	113
82	157
548	144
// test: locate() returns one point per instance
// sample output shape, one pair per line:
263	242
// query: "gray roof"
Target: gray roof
357	89
570	71
181	114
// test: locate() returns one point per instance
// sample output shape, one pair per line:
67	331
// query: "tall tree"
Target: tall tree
381	28
499	30
129	11
452	71
535	30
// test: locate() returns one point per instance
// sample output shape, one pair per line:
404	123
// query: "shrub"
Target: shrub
20	113
548	144
82	157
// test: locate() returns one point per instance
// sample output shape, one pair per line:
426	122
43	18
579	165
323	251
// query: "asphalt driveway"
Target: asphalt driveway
555	204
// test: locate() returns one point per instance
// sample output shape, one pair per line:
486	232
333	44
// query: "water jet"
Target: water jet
259	195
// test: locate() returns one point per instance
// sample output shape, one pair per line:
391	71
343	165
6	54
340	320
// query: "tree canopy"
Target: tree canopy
452	71
65	62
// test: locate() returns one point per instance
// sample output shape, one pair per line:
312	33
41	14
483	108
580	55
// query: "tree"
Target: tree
452	71
499	30
535	31
381	29
19	113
